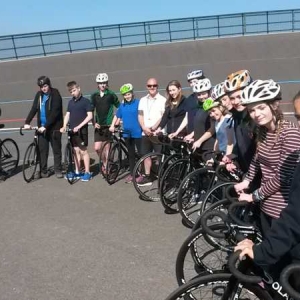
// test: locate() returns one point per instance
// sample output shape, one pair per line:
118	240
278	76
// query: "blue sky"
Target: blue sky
21	16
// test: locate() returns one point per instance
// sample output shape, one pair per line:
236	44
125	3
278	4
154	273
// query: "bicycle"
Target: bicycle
9	157
31	157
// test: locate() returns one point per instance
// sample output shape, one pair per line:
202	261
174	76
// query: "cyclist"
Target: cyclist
225	140
151	109
79	113
128	112
47	104
103	101
277	153
218	93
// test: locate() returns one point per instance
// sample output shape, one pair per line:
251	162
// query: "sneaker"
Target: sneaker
86	177
128	179
138	179
59	174
146	181
44	175
73	175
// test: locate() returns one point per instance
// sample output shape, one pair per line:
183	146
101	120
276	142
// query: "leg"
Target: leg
43	142
55	140
77	159
145	149
130	143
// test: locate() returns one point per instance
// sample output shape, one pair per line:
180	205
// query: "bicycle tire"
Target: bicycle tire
114	163
9	156
69	163
148	193
170	184
191	192
214	286
30	162
102	166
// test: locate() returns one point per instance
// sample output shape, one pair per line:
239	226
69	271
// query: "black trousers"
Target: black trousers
131	144
53	138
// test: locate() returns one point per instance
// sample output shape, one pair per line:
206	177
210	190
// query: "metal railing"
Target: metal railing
144	33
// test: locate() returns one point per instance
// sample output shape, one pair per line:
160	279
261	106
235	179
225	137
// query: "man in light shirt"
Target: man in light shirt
151	108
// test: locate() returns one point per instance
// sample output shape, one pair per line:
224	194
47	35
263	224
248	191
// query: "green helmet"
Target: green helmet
126	88
209	104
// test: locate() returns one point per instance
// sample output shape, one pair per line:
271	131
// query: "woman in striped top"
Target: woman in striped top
278	144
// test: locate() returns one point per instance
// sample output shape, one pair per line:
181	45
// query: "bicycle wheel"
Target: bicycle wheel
104	153
9	157
191	194
215	194
30	162
170	184
218	286
69	163
167	162
114	163
197	256
150	191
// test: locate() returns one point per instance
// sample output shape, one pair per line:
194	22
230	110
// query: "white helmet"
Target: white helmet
261	90
102	77
218	91
197	74
237	80
203	85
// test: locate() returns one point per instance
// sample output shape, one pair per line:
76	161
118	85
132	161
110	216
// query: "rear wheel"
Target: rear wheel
69	163
30	162
103	153
9	157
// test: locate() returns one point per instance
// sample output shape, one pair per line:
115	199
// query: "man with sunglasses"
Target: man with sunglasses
103	101
150	111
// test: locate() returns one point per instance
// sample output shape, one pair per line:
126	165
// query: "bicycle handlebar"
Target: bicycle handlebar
233	258
31	128
206	228
232	214
284	280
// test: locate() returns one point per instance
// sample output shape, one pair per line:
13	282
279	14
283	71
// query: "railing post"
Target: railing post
120	34
170	33
218	19
194	28
100	37
244	29
15	49
69	41
293	20
41	37
145	33
95	39
149	32
267	22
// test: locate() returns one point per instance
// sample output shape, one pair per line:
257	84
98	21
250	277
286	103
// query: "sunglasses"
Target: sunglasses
152	85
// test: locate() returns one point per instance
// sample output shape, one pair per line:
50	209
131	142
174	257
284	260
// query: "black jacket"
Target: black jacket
284	235
54	110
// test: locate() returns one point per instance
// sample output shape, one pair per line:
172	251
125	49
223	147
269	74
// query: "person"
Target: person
103	102
296	102
150	111
128	113
244	126
47	104
175	112
79	113
277	152
219	94
225	140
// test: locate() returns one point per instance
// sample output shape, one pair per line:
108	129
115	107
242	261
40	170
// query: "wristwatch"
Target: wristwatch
257	197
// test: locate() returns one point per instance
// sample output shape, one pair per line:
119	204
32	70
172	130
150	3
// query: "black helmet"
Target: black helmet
43	80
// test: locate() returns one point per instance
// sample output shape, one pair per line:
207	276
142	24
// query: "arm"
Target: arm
33	110
146	130
56	108
182	125
230	140
89	116
66	121
207	135
116	101
165	117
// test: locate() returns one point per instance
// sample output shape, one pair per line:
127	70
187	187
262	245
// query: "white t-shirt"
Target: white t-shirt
153	109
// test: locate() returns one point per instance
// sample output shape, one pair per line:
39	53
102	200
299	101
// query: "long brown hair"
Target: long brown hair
170	100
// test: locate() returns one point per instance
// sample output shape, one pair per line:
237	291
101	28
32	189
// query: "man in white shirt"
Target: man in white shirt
151	109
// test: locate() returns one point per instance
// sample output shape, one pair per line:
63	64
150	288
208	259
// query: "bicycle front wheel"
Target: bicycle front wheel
69	163
30	162
114	163
9	157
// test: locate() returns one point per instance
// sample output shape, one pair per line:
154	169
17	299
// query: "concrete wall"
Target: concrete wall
267	56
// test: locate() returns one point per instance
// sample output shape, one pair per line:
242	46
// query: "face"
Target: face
215	113
202	96
152	87
75	91
192	82
45	89
235	99
174	91
297	110
225	100
102	86
128	96
261	113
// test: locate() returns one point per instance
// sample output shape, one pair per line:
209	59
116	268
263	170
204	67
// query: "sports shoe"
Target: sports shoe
128	179
139	178
146	181
86	177
44	175
73	175
59	174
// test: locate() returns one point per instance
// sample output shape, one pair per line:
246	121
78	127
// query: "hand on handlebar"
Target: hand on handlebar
240	187
196	145
27	126
42	129
97	126
172	135
246	246
246	197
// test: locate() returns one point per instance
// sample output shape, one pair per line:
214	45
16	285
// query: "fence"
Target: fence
144	33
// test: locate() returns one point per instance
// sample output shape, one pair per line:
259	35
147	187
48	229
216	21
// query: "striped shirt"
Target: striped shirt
277	158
